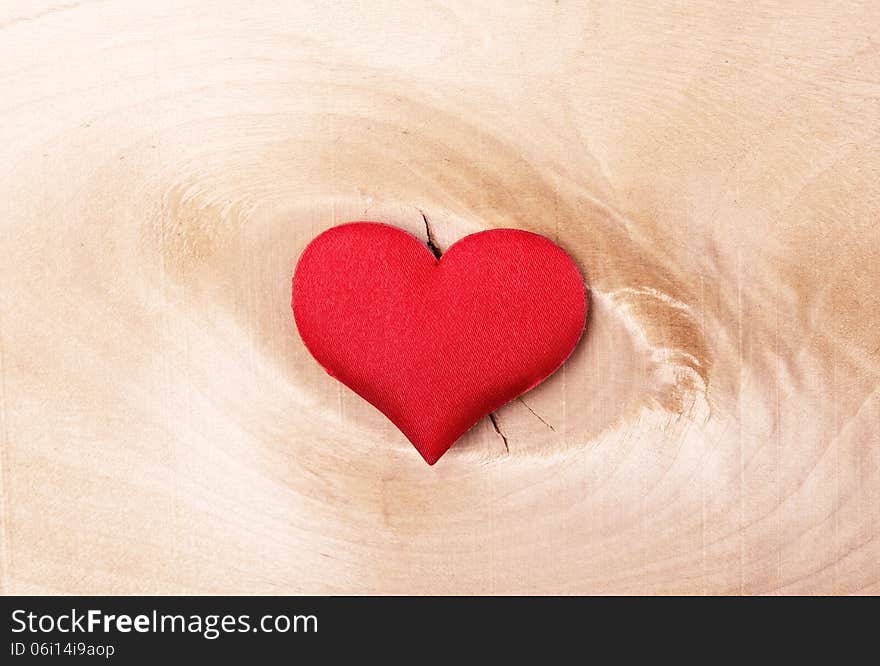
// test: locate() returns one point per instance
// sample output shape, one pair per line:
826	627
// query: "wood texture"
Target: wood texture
714	167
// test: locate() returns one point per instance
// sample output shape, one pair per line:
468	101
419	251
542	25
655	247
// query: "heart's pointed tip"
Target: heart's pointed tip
430	455
429	458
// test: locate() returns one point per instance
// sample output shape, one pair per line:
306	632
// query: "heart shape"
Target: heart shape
437	344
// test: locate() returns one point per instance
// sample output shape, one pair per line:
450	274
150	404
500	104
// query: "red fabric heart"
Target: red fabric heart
437	344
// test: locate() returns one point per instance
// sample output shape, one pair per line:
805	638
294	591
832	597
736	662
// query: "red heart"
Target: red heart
437	344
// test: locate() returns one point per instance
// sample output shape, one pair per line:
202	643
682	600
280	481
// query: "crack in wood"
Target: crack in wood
536	415
495	424
432	244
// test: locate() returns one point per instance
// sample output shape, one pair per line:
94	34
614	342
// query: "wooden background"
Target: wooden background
714	167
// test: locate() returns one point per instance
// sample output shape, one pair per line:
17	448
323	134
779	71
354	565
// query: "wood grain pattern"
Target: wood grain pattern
714	168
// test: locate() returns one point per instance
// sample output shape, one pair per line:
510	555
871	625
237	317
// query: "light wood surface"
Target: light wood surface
714	168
